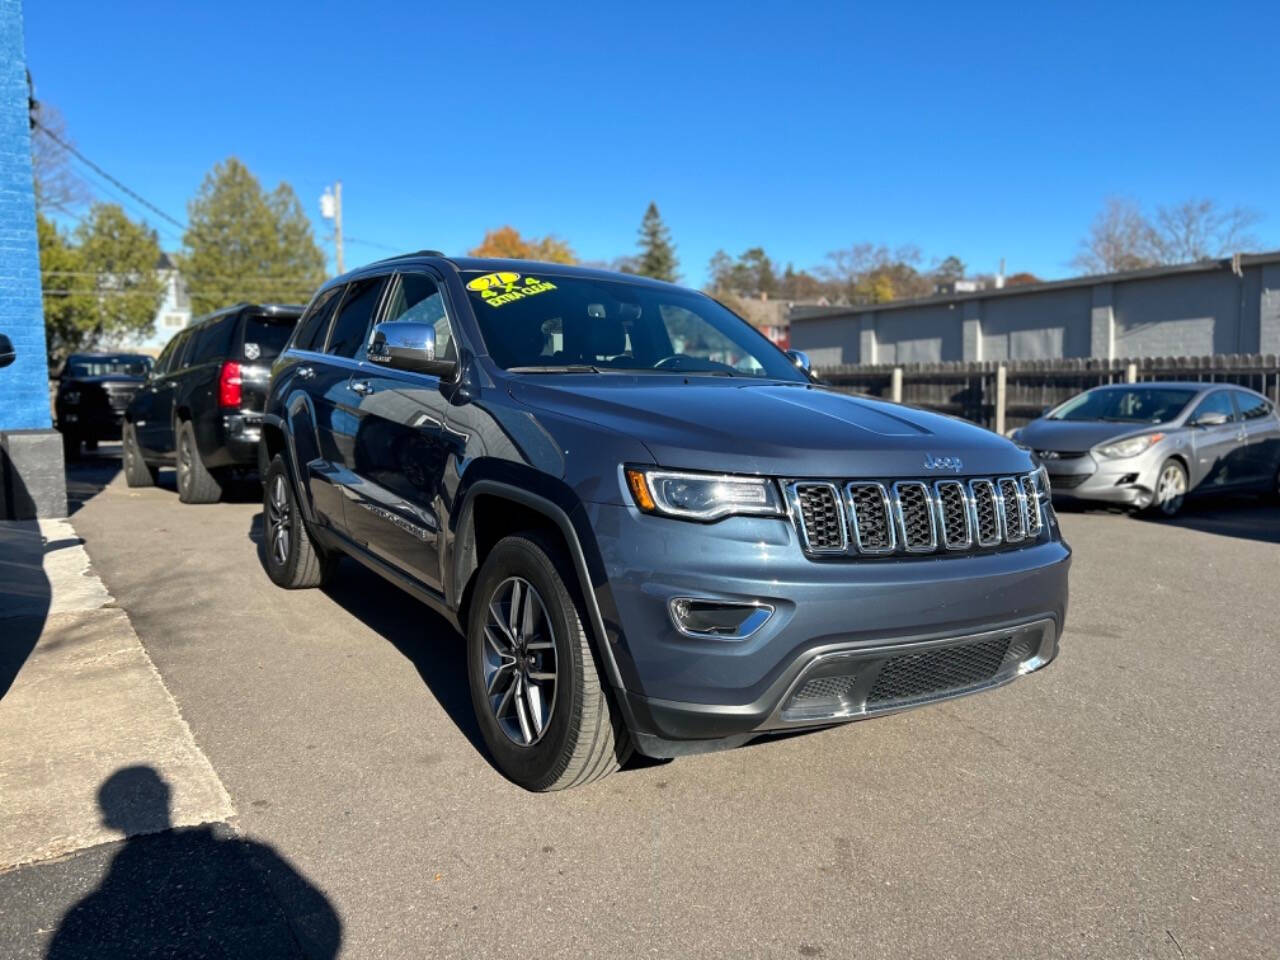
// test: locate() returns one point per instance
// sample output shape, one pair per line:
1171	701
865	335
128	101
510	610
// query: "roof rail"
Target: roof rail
415	253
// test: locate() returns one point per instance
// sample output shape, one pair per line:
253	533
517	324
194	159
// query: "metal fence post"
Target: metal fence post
895	385
1131	373
1001	396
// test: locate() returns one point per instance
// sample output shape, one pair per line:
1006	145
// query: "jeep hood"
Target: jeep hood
785	430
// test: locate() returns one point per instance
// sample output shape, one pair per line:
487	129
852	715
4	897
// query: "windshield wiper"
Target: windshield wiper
563	368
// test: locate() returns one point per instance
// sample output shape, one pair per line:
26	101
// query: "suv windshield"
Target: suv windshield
534	323
1128	405
265	336
135	366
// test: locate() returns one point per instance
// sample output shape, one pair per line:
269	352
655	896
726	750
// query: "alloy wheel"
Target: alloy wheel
519	661
1171	488
278	516
184	462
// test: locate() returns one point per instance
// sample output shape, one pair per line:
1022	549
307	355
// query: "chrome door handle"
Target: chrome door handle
306	373
362	387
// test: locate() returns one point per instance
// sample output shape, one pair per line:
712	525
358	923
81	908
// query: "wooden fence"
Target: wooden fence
1005	395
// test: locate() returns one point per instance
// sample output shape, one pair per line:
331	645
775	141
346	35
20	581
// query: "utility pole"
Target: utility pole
331	209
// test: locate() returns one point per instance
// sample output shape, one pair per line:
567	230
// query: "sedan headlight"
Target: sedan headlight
1129	447
702	496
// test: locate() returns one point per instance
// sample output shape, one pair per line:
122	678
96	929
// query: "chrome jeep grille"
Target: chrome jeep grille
870	518
822	518
878	518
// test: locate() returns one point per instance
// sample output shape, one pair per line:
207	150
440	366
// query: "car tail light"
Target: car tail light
229	381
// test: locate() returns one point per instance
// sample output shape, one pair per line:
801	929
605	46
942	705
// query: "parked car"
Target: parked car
94	389
200	409
654	530
1151	445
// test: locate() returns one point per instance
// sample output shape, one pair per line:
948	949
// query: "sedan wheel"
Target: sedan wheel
1171	488
520	661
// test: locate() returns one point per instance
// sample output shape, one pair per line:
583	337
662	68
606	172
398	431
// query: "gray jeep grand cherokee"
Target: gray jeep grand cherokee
654	529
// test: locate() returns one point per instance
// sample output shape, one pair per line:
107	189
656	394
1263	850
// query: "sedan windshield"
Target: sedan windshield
554	324
1125	405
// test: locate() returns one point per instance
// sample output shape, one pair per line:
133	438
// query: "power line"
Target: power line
102	173
376	246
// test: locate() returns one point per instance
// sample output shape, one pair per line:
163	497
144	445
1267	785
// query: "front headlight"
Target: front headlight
1041	480
1129	447
71	397
702	496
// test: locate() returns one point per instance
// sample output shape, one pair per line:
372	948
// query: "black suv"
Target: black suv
653	527
94	389
200	409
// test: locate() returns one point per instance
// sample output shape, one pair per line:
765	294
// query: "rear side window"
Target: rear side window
315	322
351	328
165	360
211	342
265	336
181	350
1252	407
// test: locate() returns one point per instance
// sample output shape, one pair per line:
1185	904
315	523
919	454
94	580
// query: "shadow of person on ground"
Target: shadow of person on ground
195	892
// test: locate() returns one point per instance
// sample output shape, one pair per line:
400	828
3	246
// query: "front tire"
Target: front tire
70	446
195	483
542	708
294	561
137	472
1171	489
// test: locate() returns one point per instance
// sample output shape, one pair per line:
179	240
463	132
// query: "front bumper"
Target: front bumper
1129	483
858	616
91	424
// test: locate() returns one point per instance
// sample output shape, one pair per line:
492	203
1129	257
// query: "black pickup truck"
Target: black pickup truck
94	389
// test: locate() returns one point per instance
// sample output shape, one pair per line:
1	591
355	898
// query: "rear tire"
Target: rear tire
527	647
137	472
293	560
195	483
1171	489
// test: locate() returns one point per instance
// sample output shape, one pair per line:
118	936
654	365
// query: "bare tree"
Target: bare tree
1201	230
1120	238
57	185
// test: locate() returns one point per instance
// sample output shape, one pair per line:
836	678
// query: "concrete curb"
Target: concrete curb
86	702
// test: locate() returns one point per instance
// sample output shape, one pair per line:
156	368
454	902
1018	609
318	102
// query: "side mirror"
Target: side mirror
406	345
7	353
1210	418
800	359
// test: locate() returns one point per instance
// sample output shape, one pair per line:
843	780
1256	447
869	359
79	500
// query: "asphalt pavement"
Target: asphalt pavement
1120	803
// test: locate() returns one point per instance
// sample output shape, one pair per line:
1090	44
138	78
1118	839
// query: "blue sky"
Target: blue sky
986	131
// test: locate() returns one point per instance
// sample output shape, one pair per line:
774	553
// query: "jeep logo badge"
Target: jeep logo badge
942	463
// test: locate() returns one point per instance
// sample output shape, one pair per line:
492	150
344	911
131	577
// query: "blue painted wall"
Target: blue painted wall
24	385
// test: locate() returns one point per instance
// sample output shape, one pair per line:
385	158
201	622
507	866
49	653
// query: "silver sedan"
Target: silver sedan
1151	445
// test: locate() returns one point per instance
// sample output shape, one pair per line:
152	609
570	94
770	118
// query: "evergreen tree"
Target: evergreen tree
657	253
243	244
100	284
